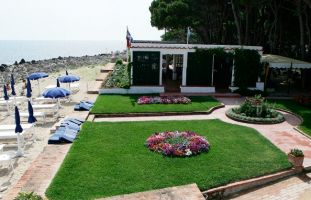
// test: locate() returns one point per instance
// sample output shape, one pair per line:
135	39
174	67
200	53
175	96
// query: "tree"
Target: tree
280	26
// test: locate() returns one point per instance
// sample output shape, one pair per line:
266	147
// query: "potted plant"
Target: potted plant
296	156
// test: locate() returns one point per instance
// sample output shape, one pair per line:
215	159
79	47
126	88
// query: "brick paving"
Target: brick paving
41	172
185	192
294	188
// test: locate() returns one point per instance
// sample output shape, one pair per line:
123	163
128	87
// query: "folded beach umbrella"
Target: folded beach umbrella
31	118
13	85
37	76
5	93
28	82
18	131
6	97
66	72
57	83
28	88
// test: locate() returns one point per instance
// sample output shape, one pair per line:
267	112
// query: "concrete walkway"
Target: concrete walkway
281	135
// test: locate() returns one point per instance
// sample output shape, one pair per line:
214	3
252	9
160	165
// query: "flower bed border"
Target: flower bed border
255	120
163	100
183	143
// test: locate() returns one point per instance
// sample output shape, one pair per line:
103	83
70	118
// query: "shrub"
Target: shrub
119	62
247	92
255	110
22	61
28	196
296	152
120	77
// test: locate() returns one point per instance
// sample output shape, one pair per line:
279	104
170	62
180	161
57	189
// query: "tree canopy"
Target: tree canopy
280	26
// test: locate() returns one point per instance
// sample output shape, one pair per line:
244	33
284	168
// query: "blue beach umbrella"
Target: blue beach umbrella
28	88
18	130
56	93
68	78
5	93
13	85
18	127
6	97
12	79
31	118
37	76
28	82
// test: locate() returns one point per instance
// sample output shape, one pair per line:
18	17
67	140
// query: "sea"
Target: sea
15	50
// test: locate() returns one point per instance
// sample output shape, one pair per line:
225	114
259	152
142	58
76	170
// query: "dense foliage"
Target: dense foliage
280	26
120	77
28	196
247	67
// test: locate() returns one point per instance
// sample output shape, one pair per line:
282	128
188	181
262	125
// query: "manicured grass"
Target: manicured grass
293	106
110	159
128	104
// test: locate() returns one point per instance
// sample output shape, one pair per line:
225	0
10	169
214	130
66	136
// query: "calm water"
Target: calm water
12	50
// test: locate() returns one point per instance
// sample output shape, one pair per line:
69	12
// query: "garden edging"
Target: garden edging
235	187
99	115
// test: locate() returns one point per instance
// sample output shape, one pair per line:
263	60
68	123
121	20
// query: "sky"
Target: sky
76	20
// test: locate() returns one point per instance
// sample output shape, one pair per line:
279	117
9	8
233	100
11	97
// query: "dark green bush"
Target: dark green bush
296	152
120	77
28	196
247	67
119	62
247	92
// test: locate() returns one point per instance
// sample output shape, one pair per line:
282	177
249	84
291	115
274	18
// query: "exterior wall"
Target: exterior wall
133	90
185	89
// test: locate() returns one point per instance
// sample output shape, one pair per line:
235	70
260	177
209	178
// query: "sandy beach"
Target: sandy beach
41	131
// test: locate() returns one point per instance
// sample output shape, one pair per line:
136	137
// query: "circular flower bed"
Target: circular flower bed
177	144
274	118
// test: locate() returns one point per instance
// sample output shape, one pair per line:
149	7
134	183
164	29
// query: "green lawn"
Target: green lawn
293	106
110	159
127	104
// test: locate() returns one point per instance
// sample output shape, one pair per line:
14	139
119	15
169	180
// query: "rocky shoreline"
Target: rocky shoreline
23	68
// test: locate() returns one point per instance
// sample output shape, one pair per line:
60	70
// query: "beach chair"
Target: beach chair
51	108
6	159
75	87
44	100
25	115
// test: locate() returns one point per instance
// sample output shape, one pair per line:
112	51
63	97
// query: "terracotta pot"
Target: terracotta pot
296	161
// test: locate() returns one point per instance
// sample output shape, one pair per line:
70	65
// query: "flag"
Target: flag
188	34
129	39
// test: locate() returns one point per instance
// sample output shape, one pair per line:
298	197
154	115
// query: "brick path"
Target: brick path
185	192
294	188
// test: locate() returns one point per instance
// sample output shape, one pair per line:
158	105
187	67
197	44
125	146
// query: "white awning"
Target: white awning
276	61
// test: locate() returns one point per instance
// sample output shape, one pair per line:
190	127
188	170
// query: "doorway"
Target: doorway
222	73
172	67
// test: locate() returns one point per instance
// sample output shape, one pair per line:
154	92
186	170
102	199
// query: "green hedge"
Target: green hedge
247	67
120	77
199	69
255	120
